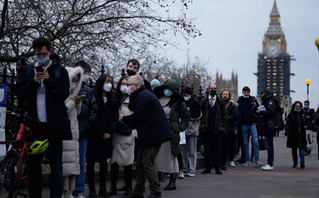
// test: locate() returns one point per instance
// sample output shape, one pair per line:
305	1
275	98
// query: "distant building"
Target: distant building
231	84
273	70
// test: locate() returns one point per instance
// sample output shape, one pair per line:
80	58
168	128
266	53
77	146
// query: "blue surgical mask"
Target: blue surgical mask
306	106
43	61
297	110
168	92
232	101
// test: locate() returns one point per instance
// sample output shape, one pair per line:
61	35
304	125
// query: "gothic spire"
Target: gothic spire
274	11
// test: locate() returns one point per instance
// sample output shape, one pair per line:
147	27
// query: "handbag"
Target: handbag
262	143
276	123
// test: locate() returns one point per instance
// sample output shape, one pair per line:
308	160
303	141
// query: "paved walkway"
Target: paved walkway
251	182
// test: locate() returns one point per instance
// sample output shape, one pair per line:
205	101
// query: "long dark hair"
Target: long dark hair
98	90
293	106
118	92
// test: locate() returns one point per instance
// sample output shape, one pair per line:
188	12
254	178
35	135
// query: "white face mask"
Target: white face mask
123	89
85	77
72	85
186	98
128	90
107	87
246	96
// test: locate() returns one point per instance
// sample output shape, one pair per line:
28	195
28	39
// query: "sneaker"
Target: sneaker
181	175
258	163
232	164
267	167
191	175
246	164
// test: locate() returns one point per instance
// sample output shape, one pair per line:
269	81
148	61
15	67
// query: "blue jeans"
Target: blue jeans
189	154
80	179
301	155
269	140
254	138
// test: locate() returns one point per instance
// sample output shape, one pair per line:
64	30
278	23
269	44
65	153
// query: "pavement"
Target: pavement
248	182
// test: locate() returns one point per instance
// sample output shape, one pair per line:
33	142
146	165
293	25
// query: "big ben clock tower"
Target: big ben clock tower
273	71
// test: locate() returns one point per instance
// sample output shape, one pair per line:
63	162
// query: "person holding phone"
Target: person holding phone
43	94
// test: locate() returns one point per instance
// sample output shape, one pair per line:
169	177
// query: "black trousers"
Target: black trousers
56	177
213	150
90	162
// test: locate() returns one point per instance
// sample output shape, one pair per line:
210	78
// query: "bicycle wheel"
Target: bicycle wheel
10	174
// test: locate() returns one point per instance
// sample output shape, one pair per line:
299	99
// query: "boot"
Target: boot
172	182
114	175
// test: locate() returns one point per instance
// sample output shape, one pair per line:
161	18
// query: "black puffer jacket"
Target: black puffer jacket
295	130
88	111
148	118
271	104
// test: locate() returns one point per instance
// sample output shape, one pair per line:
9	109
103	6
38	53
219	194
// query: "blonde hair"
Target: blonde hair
221	92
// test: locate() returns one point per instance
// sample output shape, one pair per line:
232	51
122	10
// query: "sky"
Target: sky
232	35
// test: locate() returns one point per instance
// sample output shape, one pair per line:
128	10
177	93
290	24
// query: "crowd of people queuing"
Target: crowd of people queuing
156	125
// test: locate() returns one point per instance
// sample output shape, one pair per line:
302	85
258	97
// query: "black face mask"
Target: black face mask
212	92
130	72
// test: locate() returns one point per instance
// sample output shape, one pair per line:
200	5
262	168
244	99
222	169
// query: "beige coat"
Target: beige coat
70	156
123	146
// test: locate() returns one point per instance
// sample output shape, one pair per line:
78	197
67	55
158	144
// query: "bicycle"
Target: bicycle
11	167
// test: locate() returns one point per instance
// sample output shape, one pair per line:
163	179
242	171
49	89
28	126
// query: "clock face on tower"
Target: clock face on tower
273	50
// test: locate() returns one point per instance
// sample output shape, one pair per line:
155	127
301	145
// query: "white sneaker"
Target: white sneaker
191	174
267	167
246	164
67	194
258	163
181	175
232	164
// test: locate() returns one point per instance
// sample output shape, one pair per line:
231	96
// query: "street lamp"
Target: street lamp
307	81
317	44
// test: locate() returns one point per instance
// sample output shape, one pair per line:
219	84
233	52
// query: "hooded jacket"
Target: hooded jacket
272	107
70	155
179	116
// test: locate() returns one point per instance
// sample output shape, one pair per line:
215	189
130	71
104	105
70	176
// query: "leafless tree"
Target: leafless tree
99	31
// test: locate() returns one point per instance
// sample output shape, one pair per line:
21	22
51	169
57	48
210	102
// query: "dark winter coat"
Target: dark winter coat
220	119
247	112
148	118
106	122
232	119
179	116
88	112
309	121
271	104
57	90
295	130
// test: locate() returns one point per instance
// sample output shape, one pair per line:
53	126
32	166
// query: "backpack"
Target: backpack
276	123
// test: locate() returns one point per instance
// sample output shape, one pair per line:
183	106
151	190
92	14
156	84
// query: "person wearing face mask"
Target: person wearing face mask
178	116
310	115
247	108
132	67
189	150
86	118
123	142
99	142
212	127
296	131
272	108
70	155
42	94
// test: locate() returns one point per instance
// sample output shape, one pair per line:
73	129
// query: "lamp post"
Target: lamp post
317	44
307	81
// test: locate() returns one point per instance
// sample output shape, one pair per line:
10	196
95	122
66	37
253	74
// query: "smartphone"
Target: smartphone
39	69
